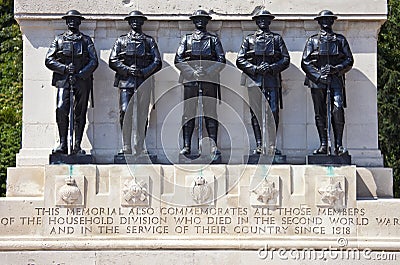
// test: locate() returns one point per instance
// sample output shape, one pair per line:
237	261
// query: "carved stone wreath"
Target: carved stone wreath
69	192
201	190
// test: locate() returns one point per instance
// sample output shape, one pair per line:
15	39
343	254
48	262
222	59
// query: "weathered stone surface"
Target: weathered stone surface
203	257
145	201
249	213
223	8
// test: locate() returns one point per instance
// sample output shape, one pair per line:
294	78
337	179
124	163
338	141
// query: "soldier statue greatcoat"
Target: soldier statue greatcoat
326	59
200	56
135	58
72	58
262	57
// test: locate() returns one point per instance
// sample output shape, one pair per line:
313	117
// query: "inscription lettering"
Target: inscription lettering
55	221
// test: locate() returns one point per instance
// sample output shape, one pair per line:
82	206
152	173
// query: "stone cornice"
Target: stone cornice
294	17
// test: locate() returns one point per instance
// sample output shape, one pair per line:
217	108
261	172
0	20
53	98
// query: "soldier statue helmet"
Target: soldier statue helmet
263	13
200	14
136	14
325	14
73	13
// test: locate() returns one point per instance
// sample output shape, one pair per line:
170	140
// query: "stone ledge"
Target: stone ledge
217	8
188	243
196	257
354	18
372	183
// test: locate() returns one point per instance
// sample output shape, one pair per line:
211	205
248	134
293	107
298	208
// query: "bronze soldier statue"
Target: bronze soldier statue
196	58
134	57
326	59
262	57
72	58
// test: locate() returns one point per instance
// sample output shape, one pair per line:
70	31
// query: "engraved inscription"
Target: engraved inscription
205	221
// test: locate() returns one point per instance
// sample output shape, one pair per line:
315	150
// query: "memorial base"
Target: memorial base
328	160
199	159
254	159
55	159
280	256
135	159
196	214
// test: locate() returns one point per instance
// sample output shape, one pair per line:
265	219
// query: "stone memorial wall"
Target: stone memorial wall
168	21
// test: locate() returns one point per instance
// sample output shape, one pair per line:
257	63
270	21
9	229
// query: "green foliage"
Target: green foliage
389	91
10	90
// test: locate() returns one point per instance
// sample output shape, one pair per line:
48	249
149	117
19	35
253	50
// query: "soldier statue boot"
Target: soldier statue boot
62	148
79	128
276	118
257	135
212	130
77	148
126	135
62	124
188	128
139	147
338	127
323	138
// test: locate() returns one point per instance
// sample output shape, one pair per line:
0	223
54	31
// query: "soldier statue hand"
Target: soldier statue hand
328	70
70	69
199	72
263	68
324	79
79	76
136	72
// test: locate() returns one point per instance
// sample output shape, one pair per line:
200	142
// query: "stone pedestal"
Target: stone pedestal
329	160
55	159
200	159
135	159
218	210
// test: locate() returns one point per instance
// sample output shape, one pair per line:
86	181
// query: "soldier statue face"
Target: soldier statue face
200	23
263	23
326	23
73	23
136	23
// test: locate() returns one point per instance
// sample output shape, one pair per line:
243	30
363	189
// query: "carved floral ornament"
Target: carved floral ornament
134	191
201	190
69	192
266	192
333	194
